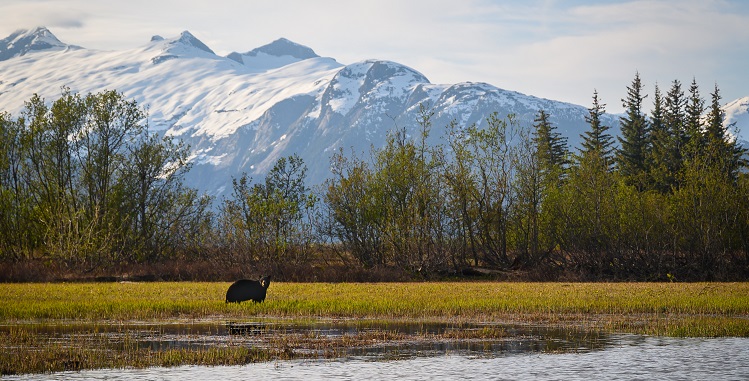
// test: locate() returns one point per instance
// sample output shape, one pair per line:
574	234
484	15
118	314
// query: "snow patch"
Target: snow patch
202	157
346	85
737	118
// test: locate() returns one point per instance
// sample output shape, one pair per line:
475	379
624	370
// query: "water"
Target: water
624	357
415	338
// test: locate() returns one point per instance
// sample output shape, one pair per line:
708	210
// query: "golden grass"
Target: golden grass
471	301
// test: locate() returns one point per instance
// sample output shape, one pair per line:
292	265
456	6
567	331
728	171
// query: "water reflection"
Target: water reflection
627	358
375	339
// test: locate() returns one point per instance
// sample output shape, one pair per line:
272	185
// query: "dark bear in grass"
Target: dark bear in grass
246	289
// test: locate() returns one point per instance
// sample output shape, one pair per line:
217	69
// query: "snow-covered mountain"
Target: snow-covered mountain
22	42
737	118
242	112
274	55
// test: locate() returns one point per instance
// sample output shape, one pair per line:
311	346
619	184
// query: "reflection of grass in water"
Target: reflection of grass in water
31	347
24	351
695	309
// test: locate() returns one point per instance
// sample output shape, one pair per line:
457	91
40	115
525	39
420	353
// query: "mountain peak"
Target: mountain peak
278	53
188	39
40	32
24	41
186	45
283	47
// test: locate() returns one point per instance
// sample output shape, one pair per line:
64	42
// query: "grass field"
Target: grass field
667	309
727	303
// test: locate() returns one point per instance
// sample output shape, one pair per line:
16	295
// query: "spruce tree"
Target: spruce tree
668	146
694	108
675	118
631	157
550	144
659	177
656	115
720	148
715	131
597	141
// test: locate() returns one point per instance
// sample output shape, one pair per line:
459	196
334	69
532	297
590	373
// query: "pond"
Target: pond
420	351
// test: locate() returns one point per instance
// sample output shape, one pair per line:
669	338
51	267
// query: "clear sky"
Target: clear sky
561	50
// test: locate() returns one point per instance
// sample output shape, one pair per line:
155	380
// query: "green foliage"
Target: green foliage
708	221
268	223
355	219
85	183
589	213
408	191
508	198
550	144
491	158
164	217
391	212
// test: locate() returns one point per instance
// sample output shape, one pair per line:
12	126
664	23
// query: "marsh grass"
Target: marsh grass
681	310
726	304
144	301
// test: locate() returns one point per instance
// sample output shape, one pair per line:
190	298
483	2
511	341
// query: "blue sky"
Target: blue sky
561	50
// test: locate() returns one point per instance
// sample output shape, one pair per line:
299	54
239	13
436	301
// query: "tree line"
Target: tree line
85	183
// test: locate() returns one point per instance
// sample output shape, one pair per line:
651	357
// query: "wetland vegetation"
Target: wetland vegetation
53	327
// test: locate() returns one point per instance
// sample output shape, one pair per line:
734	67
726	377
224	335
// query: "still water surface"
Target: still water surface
626	357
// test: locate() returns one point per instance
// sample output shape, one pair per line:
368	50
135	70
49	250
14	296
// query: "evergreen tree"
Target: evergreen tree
550	144
720	148
668	138
656	124
597	141
542	169
659	177
715	131
674	118
631	157
694	108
